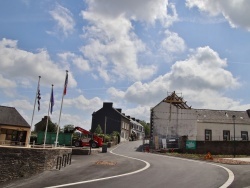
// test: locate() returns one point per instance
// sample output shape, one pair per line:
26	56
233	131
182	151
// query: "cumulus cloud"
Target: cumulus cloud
235	11
202	70
202	78
141	10
113	46
173	43
20	66
21	104
76	60
140	112
6	83
64	19
83	103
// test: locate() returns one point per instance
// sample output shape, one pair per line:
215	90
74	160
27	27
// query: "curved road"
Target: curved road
125	167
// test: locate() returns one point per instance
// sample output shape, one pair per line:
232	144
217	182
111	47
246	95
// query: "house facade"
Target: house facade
111	119
14	130
137	129
173	118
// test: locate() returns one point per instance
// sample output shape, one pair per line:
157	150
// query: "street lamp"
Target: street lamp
234	132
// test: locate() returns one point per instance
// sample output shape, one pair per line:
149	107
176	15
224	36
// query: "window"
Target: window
244	135
208	135
226	135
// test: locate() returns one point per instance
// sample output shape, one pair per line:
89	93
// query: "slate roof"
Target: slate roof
222	116
10	116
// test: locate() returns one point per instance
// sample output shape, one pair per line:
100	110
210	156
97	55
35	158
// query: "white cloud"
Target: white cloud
21	104
140	10
139	112
113	46
64	19
201	78
235	11
82	103
6	83
22	67
77	60
75	120
173	43
202	70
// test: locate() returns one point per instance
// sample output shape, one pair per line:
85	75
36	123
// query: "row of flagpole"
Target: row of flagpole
50	109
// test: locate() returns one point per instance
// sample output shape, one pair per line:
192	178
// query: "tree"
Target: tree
146	127
68	128
41	126
98	130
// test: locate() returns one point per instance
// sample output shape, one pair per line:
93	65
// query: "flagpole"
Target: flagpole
64	93
46	129
39	77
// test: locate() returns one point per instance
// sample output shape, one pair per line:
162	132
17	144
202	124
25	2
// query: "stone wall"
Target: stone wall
19	162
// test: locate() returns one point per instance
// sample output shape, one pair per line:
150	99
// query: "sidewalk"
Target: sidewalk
247	159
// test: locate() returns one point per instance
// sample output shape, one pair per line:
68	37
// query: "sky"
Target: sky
130	53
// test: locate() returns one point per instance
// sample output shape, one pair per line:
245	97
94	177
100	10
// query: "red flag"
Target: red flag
65	84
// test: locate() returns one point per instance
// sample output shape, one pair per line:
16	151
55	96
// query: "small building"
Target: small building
173	118
14	130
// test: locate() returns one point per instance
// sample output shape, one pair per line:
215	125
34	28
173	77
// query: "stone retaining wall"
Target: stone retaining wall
19	162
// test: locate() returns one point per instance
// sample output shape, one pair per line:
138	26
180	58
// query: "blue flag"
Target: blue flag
51	101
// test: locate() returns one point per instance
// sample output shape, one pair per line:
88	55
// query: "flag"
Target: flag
65	84
51	101
38	97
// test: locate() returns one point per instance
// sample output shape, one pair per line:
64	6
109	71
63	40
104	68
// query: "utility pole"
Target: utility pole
105	128
234	132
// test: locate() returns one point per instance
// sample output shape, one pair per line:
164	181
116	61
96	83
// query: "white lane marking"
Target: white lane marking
110	177
230	176
230	173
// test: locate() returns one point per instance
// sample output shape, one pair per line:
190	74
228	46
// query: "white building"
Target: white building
173	118
137	129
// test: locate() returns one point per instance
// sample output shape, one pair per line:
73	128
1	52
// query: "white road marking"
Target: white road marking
225	185
110	177
230	173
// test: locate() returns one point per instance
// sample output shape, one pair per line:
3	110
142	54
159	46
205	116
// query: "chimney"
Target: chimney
119	110
248	113
107	105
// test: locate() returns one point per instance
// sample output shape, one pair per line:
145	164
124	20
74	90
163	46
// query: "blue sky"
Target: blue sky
131	53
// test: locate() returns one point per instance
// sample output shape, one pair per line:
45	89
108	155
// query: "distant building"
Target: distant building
14	130
112	119
136	128
173	118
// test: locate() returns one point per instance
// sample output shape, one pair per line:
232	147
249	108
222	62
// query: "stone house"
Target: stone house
173	118
14	130
112	119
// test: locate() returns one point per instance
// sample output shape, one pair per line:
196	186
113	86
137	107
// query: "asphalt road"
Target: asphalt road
126	167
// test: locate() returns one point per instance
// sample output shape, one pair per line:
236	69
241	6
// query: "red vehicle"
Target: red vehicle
90	139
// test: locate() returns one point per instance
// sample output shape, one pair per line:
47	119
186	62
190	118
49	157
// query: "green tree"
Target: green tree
41	126
146	127
68	128
98	130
